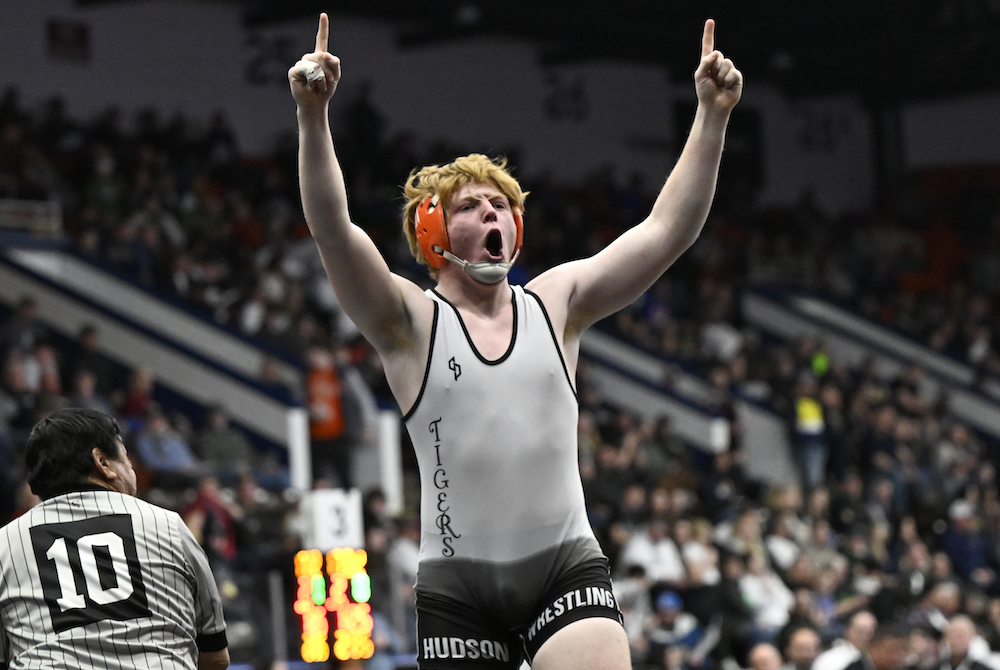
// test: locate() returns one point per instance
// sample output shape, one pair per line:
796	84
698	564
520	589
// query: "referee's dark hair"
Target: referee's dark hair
59	448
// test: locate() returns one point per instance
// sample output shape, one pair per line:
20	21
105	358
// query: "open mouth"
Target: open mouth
494	244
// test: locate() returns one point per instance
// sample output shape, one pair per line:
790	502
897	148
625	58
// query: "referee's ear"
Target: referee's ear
103	472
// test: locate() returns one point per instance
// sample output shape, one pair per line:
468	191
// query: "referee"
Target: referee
93	577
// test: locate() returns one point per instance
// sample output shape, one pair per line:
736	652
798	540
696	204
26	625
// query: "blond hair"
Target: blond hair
445	180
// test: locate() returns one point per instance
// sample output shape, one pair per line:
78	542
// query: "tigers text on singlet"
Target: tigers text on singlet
496	443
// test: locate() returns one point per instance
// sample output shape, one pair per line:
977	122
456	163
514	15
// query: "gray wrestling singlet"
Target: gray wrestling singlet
502	504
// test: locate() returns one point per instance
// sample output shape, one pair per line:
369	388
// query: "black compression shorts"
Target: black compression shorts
452	635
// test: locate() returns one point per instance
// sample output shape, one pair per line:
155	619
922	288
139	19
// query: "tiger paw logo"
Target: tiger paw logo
455	368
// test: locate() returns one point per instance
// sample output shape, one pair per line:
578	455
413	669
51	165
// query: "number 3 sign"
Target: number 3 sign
333	519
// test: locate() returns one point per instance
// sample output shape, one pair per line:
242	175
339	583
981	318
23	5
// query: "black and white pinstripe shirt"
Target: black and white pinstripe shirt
93	578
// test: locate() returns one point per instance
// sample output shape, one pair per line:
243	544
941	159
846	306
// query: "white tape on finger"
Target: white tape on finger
312	71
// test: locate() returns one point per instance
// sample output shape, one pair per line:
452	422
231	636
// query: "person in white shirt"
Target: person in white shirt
848	649
654	549
700	558
769	598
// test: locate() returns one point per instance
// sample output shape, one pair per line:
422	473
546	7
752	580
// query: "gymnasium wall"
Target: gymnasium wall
489	95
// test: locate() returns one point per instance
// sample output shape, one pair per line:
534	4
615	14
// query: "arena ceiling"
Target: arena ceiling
885	51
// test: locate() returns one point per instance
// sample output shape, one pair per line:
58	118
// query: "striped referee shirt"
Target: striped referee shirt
92	578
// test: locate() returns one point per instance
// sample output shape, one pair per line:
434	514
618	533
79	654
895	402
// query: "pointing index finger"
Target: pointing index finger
323	33
708	39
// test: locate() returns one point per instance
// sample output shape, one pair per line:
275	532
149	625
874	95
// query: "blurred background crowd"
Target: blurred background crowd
890	541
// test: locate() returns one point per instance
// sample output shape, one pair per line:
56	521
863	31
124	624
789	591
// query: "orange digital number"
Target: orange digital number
346	570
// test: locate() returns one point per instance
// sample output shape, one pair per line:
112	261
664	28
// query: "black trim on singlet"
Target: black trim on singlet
427	368
472	345
555	341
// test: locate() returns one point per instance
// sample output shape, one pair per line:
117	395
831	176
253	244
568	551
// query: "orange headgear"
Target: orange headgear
432	231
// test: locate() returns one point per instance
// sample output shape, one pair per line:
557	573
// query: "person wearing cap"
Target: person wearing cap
967	545
673	627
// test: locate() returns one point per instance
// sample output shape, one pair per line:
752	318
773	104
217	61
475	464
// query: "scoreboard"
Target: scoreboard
334	588
344	592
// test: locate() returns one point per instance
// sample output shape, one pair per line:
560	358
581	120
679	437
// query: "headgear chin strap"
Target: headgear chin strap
484	272
432	238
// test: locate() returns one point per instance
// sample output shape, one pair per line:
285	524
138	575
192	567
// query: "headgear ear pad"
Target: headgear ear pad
432	231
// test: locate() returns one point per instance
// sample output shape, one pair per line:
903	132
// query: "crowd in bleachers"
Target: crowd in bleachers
898	517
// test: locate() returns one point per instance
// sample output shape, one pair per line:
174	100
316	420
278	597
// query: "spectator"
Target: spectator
922	650
133	405
24	330
212	521
966	544
768	597
652	548
165	453
765	656
847	505
913	573
402	558
632	592
962	648
941	602
360	405
848	649
737	616
802	648
742	535
39	370
375	510
673	627
665	456
633	511
85	393
331	451
259	517
886	650
701	558
225	451
85	354
782	548
810	436
721	488
388	643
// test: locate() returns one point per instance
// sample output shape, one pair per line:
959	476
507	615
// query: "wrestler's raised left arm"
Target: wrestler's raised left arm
593	288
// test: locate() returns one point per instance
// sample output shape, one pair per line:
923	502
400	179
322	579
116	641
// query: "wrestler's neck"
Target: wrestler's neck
469	295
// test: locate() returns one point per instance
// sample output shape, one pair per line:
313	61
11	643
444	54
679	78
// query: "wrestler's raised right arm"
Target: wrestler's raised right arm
388	309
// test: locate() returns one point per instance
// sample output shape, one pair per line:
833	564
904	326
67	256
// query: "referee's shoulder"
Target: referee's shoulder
147	508
115	502
68	505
